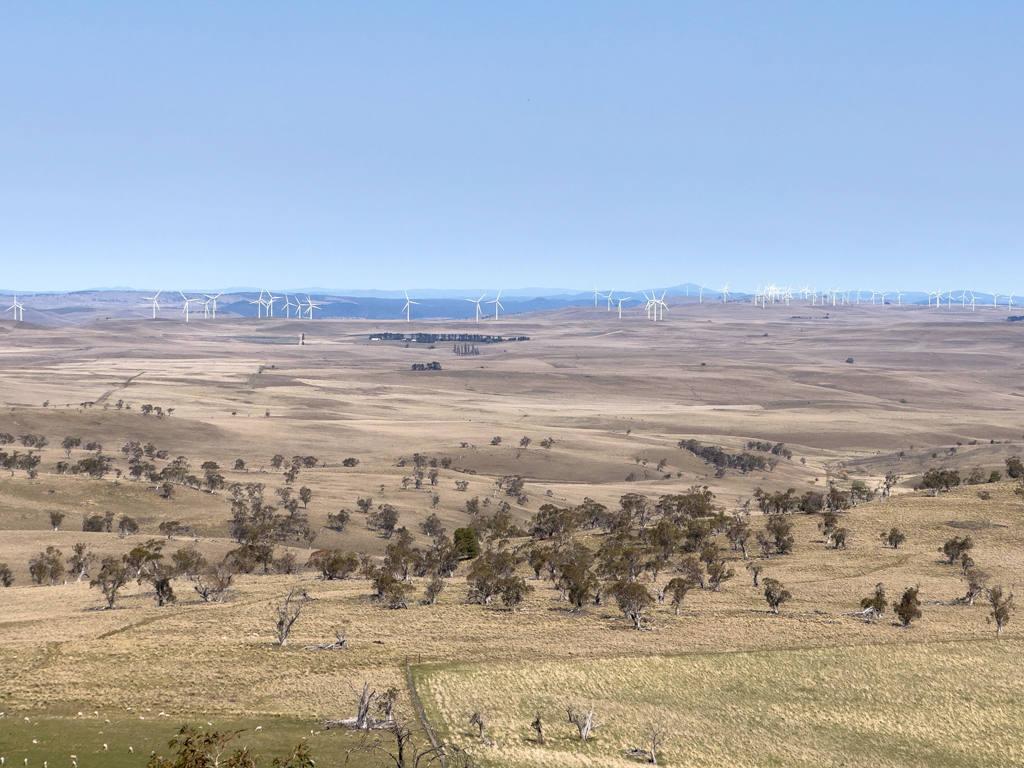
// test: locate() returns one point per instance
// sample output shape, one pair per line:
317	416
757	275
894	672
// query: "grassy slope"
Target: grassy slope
931	704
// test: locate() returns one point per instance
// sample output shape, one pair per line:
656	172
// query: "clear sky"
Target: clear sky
511	144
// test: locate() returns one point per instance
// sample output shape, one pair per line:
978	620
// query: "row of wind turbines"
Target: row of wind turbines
837	297
655	306
264	304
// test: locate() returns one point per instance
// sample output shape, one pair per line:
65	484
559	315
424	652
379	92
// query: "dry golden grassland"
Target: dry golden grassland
921	704
615	397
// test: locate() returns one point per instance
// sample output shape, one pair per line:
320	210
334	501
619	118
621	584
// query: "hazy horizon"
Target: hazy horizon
390	147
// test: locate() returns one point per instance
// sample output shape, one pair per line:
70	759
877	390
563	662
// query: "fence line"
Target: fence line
423	713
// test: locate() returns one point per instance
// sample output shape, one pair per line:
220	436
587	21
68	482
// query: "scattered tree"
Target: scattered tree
433	589
467	544
538	726
909	607
513	590
954	549
976	584
583	720
127	526
775	593
334	564
875	605
1002	608
337	521
633	599
56	518
287	613
79	562
384	520
1015	467
755	571
113	575
69	444
6	576
894	538
46	567
432	526
211	582
676	589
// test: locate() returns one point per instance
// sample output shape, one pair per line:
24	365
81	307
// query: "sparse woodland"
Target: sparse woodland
305	580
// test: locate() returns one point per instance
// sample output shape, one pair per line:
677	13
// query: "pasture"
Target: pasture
614	398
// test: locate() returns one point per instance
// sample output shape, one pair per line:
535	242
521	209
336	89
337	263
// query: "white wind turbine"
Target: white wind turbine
701	299
19	310
650	301
899	298
211	300
660	303
622	299
289	306
609	297
497	304
725	293
1010	305
310	306
596	295
271	298
995	301
259	305
479	312
153	299
187	302
407	308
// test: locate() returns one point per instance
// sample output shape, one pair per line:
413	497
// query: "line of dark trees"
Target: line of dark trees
434	338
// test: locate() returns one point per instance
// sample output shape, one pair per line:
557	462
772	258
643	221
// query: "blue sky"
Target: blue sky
433	145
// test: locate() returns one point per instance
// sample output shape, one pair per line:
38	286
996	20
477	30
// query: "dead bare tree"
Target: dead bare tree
288	612
409	747
583	720
538	726
657	734
366	700
477	719
337	645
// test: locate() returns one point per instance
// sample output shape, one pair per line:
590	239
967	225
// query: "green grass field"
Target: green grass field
930	704
53	738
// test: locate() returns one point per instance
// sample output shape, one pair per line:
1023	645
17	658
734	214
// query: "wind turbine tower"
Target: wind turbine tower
211	300
310	306
187	302
156	304
622	299
407	308
496	303
19	310
477	302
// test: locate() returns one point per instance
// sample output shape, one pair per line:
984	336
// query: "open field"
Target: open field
871	705
925	390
